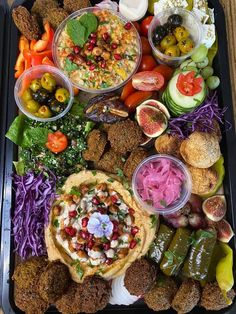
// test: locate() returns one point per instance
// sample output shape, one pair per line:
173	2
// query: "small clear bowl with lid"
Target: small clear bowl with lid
154	194
190	22
104	61
23	84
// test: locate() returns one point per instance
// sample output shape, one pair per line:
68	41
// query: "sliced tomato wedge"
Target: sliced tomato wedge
57	142
148	81
188	84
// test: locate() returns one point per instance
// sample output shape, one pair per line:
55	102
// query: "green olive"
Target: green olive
62	94
44	112
32	105
181	33
27	95
35	85
48	82
172	51
168	41
186	45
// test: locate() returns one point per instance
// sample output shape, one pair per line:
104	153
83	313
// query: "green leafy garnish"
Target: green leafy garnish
120	173
16	130
110	180
94	172
138	240
154	220
88	127
20	167
121	215
36	136
77	32
70	66
90	23
192	239
206	234
56	223
77	109
75	191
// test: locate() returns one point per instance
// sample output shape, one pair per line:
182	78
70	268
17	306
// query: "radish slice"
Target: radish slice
119	294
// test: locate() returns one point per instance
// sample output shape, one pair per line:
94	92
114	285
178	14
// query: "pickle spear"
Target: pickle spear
161	243
176	253
198	261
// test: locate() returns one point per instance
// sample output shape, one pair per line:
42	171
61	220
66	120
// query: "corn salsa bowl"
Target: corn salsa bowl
97	49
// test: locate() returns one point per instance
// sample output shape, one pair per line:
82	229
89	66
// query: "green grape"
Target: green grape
203	63
213	82
187	63
200	53
207	72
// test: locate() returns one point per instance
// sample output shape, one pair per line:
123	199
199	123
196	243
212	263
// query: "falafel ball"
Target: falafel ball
70	302
136	156
55	16
168	144
27	273
140	277
41	8
125	136
212	298
53	281
159	298
187	296
29	301
96	142
73	5
200	150
26	23
94	294
111	162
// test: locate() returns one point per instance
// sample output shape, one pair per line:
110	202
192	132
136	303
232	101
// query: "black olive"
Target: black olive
169	28
41	96
56	106
159	34
175	19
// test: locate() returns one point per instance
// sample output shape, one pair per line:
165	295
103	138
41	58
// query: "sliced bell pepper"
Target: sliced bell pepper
23	43
20	70
48	35
40	45
20	61
47	61
27	56
32	44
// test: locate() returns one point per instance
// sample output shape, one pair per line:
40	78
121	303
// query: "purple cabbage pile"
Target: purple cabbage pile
34	194
201	119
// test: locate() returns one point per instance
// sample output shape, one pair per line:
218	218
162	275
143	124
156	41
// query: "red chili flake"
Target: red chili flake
85	222
128	26
132	244
134	230
117	56
71	231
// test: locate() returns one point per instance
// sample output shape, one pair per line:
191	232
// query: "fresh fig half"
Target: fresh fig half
151	120
214	207
157	104
224	231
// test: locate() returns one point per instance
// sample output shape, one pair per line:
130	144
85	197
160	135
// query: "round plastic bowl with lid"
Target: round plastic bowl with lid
185	189
36	72
190	22
58	60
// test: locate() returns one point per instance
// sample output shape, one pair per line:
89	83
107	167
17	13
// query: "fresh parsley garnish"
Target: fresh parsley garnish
75	191
70	66
79	270
153	221
110	180
94	172
120	173
56	223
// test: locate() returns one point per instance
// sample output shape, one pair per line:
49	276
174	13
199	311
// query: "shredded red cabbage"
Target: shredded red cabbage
201	119
34	194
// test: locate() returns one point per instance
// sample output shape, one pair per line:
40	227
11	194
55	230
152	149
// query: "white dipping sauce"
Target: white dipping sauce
133	10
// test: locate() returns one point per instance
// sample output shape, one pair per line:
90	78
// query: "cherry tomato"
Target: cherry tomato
165	70
148	63
136	99
188	84
137	26
57	142
148	81
145	25
146	48
127	90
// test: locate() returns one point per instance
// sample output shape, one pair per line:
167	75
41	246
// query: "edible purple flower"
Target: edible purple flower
100	225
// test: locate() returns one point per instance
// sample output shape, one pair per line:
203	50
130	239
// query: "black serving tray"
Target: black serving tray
228	147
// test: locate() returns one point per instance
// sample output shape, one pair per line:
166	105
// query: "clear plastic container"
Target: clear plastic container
56	41
192	24
37	72
185	192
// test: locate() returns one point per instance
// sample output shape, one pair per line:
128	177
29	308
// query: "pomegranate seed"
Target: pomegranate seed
95	200
128	26
114	46
90	237
132	244
117	56
92	67
115	236
114	199
103	64
134	230
131	211
84	235
106	246
85	222
89	62
71	231
109	261
71	57
90	244
76	49
102	210
93	35
115	227
90	47
73	214
92	41
106	36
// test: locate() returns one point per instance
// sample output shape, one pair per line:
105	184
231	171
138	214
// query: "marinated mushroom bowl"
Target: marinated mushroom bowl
98	49
174	35
43	93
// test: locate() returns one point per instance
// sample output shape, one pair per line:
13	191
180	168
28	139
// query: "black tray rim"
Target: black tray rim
10	150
